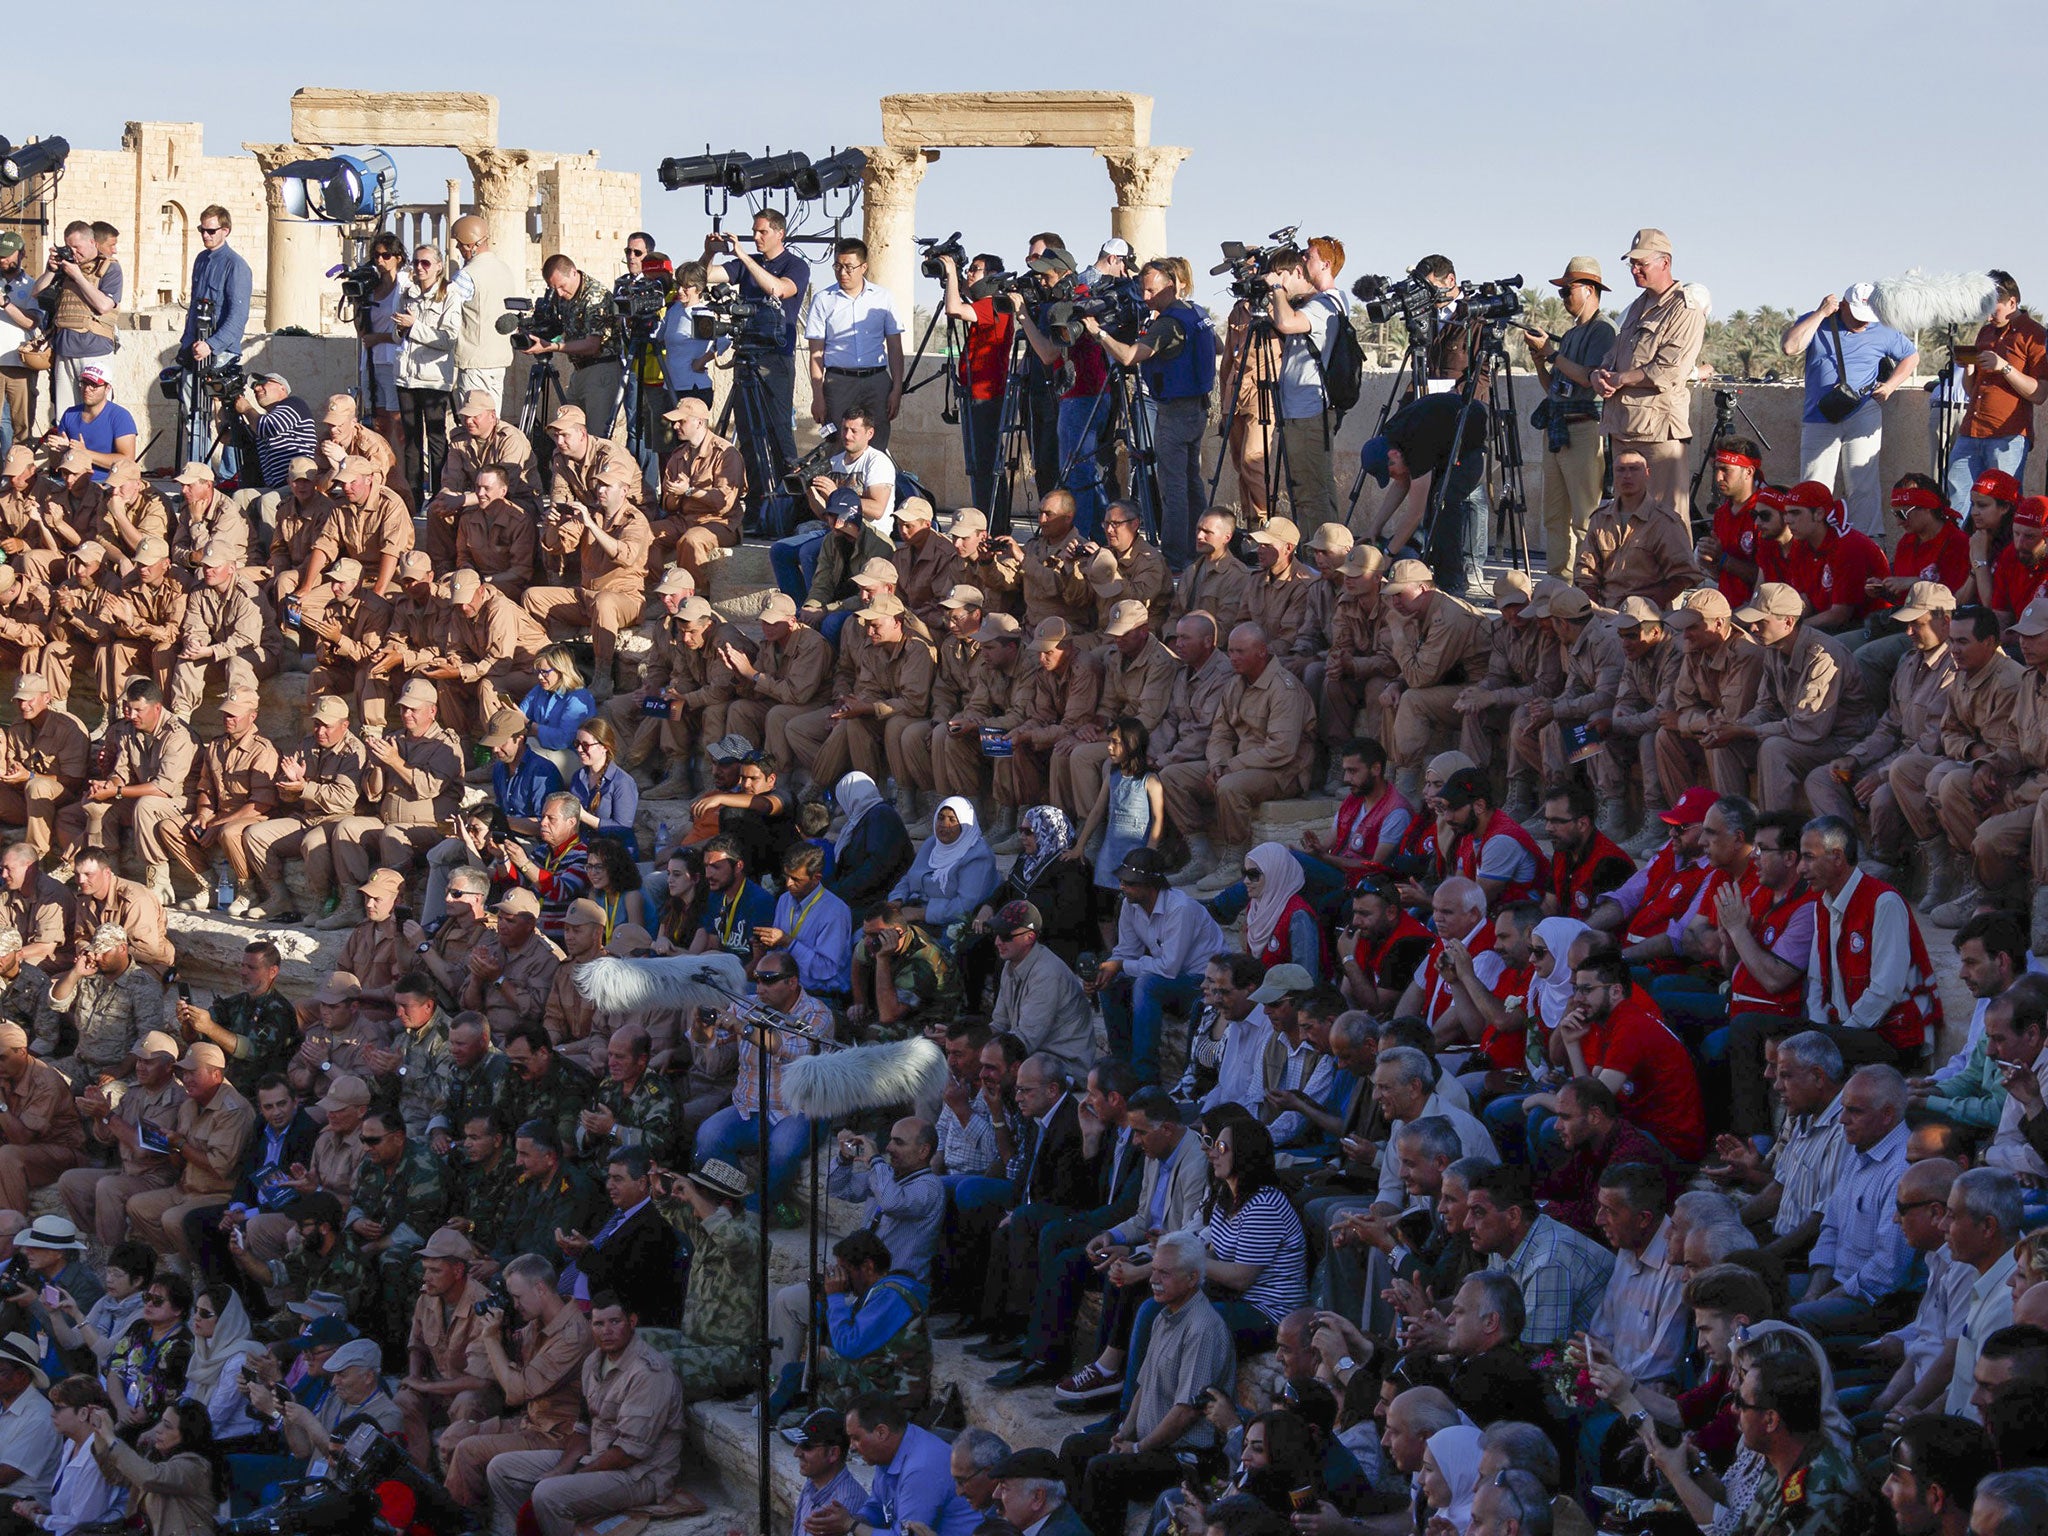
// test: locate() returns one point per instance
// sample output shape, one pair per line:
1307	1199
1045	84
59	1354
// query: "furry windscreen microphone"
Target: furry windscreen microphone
1920	301
836	1083
666	981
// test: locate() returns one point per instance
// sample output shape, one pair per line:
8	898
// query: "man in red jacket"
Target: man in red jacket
1608	1034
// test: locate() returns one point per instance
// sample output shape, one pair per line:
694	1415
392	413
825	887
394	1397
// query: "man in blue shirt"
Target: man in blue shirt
774	271
812	924
220	280
106	431
521	781
1845	343
913	1476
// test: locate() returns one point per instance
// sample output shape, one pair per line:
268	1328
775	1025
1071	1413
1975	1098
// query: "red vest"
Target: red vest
1905	1027
1509	1051
1278	951
1769	916
1501	825
1735	528
1371	959
1419	842
1574	883
1436	992
1746	887
1358	824
1667	892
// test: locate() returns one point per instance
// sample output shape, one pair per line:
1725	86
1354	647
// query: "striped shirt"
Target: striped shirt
1264	1232
1642	1315
1563	1275
746	1088
969	1148
1806	1162
1859	1241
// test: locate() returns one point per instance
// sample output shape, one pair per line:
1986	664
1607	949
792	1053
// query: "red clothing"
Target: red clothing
1502	824
1735	532
1359	822
2014	582
1604	868
985	364
1944	558
1905	1027
1774	561
1384	965
1090	369
1437	994
1769	915
1835	572
1668	891
1279	949
1508	1050
1660	1091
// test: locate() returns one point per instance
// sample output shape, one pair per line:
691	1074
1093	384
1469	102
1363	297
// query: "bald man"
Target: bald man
482	283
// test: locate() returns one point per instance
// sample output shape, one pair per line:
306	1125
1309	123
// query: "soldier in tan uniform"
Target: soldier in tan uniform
1647	380
318	785
134	511
497	645
1357	662
348	631
83	587
996	701
212	1129
24	619
1052	571
237	789
789	674
44	755
685	670
892	690
997	569
419	634
1281	596
1143	570
1918	697
104	897
494	535
1438	643
2000	801
1592	676
370	524
1138	674
147	620
1719	667
1523	663
612	540
701	487
343	436
414	777
1215	581
206	516
1809	703
927	565
1260	746
925	744
480	440
77	506
223	630
1197	692
151	755
302	514
579	461
1054	700
1634	546
510	971
25	535
1649	669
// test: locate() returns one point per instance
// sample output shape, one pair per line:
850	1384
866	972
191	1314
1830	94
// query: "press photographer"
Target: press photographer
377	331
984	367
588	338
1305	312
1432	439
1176	353
80	289
20	320
641	299
1082	368
221	283
772	272
1570	412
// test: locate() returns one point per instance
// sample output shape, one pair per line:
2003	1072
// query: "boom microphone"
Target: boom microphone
1923	301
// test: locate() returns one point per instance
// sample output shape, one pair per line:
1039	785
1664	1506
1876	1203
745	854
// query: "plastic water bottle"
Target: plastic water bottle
223	886
662	829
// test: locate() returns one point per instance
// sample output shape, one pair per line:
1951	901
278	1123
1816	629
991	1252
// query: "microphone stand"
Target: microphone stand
760	1018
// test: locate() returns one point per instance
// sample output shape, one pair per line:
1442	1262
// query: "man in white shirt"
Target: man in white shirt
1984	1214
1642	1317
860	467
1229	985
1404	1084
856	345
29	1443
2015	1030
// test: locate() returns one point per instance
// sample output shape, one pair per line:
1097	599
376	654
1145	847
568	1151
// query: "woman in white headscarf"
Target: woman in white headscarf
872	849
1550	989
953	873
1450	1475
220	1331
1280	927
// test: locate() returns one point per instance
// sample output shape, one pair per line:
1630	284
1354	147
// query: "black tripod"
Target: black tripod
631	395
1132	427
1726	408
748	403
543	396
1262	356
1501	440
1013	435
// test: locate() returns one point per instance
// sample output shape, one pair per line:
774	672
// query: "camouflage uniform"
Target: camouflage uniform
345	1272
901	1367
927	982
109	1014
569	1202
22	1002
560	1096
473	1090
716	1350
483	1195
1820	1498
411	1201
650	1114
426	1074
268	1026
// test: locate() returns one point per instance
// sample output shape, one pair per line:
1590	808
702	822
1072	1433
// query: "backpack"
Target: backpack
1343	371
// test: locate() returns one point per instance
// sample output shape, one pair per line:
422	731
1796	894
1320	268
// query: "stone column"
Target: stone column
889	219
504	181
1143	178
300	250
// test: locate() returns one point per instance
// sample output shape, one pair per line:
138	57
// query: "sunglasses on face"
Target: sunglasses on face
1254	874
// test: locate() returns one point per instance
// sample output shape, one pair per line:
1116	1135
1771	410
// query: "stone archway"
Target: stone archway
1117	125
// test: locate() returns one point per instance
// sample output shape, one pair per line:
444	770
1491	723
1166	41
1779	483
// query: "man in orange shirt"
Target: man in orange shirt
2005	381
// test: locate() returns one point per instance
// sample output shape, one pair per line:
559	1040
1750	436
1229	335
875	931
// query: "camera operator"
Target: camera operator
1176	353
589	340
282	425
1841	333
1306	314
1041	405
1647	378
984	372
1571	411
649	274
483	355
772	272
81	289
856	345
20	320
221	284
1082	407
1424	444
377	332
687	359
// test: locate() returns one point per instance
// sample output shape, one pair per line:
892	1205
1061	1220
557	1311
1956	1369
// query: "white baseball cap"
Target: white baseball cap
1856	299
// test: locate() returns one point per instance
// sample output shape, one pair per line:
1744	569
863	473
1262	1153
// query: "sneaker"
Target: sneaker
1089	1384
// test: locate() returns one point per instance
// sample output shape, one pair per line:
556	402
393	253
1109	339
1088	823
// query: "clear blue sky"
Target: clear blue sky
1788	149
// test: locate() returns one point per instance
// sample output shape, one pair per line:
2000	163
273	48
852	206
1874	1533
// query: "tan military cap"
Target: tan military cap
999	626
779	609
964	596
883	605
1126	616
1510	588
675	580
417	694
193	473
1278	530
876	573
1332	537
348	568
330	709
1409	575
1923	598
915	509
968	520
475	403
568	416
1774	599
151	550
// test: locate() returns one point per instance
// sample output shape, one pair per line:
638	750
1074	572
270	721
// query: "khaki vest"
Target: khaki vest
480	345
74	314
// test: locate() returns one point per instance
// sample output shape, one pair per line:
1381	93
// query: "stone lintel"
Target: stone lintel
1018	120
462	119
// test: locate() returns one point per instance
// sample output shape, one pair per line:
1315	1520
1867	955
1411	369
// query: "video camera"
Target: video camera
1499	300
640	303
996	284
1410	299
1111	302
527	321
932	265
1249	266
752	323
811	465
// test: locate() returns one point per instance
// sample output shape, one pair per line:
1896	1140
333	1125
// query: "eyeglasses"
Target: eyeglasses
545	672
588	746
203	1317
1253	874
213	229
1902	1207
153	1299
424	261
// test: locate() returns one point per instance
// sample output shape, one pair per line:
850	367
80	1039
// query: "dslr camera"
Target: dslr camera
496	1298
932	264
527	321
1249	265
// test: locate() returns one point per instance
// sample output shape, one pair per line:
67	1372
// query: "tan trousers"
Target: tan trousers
857	742
1999	838
642	735
156	1217
89	823
1020	778
1827	795
188	854
97	1198
419	1414
467	1447
1228	806
1603	768
188	681
1424	724
30	1166
1781	767
1087	771
358	840
1571	490
1667	470
1915	778
270	843
749	718
1065	792
36	804
1341	711
560	1504
1478	732
605	612
775	730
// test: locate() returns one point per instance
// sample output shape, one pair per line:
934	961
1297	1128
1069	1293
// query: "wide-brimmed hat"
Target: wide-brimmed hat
721	1178
1580	269
19	1349
52	1232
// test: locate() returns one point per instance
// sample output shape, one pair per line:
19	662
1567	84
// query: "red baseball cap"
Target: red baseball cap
1692	807
2032	512
1996	484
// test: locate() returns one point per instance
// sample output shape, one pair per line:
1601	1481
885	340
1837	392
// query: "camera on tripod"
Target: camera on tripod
527	321
1408	298
1498	301
1249	265
359	287
1111	302
751	323
640	303
932	265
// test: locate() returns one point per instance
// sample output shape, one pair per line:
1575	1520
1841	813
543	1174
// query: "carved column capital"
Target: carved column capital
1143	177
892	175
502	177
